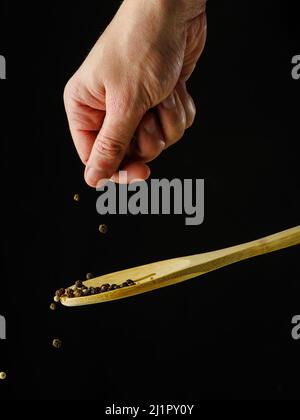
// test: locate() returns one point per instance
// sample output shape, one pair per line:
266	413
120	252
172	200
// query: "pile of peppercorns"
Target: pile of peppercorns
80	290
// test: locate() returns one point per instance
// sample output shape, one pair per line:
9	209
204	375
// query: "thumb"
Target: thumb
111	143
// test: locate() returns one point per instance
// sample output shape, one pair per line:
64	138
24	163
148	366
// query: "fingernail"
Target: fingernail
169	102
93	176
150	126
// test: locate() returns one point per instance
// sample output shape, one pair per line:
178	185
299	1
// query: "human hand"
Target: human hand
128	101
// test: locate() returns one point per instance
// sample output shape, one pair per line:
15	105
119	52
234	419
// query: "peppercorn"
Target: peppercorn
57	343
52	306
2	376
77	197
59	293
78	284
70	293
89	276
86	292
78	293
92	290
130	283
113	287
104	288
103	229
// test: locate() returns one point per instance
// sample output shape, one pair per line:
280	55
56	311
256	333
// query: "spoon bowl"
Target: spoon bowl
166	273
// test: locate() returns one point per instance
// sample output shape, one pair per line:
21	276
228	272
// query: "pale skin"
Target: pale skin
128	102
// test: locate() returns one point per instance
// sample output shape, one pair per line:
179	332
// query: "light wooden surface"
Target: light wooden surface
165	273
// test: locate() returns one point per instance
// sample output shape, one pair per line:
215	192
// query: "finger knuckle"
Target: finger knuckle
68	90
110	148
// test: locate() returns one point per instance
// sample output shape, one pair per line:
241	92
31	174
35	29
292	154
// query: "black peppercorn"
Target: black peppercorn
57	343
2	376
70	293
92	291
130	283
104	288
59	293
85	292
78	284
78	293
89	276
103	229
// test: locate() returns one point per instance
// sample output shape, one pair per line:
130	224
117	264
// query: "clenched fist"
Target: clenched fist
128	101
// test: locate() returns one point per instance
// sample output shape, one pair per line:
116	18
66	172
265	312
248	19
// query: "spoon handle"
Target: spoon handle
204	263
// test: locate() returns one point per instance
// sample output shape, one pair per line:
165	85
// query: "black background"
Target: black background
226	335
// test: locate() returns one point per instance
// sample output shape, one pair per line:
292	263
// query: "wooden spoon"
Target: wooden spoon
161	274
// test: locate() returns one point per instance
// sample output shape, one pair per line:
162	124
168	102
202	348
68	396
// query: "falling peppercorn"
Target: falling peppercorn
56	343
76	198
2	376
103	229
